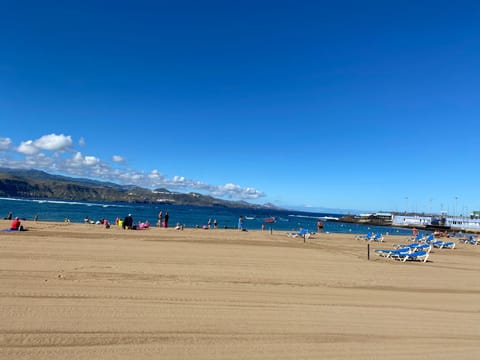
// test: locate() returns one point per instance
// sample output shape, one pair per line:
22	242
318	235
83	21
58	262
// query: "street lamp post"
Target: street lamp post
455	209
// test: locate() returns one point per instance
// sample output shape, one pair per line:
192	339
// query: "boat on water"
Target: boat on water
270	219
249	217
329	218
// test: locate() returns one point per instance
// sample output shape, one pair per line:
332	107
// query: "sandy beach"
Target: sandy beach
76	291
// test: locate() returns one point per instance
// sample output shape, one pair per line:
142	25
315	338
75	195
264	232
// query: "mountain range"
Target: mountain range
36	184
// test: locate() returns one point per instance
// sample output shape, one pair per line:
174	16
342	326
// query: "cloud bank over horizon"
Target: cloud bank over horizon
57	153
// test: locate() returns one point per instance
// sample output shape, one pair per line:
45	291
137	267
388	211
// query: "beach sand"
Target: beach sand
77	291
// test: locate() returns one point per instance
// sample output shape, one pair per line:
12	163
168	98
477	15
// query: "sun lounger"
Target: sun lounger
417	255
423	247
443	244
391	253
368	236
378	237
471	240
304	233
417	238
430	238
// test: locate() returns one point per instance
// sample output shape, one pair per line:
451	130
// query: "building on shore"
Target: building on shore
444	222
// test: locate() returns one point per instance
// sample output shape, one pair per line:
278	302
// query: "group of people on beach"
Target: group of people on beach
16	224
162	219
128	224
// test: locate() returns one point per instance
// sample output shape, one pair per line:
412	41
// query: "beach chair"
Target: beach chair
368	236
429	238
417	238
304	233
414	246
421	247
417	255
391	253
471	240
378	237
439	244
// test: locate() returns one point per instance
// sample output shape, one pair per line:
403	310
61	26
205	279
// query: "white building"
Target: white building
453	222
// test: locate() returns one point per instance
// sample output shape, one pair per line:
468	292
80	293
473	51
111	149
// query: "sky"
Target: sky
308	105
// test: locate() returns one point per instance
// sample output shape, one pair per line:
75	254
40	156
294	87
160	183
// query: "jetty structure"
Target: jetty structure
443	221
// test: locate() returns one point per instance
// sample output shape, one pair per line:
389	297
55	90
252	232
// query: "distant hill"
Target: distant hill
20	183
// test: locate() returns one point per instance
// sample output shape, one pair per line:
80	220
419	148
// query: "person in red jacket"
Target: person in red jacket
16	224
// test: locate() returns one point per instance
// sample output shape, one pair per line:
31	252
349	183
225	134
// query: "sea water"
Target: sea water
188	216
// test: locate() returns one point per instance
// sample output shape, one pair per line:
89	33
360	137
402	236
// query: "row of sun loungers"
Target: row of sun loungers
370	236
405	253
418	250
430	241
471	240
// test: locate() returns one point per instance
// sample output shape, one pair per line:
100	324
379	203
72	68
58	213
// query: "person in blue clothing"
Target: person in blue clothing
240	223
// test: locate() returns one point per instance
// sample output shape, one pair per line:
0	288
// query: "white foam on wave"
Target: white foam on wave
43	201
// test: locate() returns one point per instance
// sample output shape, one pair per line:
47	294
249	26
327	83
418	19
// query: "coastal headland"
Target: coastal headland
81	291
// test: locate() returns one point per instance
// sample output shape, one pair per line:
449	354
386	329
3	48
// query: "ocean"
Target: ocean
188	216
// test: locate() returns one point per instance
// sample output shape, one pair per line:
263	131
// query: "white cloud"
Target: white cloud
91	160
78	160
54	142
5	144
156	177
27	148
236	191
40	160
50	142
178	179
118	159
51	153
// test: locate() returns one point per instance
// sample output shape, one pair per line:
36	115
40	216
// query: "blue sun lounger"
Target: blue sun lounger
391	253
417	255
369	236
443	244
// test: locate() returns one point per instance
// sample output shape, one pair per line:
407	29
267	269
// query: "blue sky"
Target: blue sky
369	105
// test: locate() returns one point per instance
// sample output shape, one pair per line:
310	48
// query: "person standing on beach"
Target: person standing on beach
160	217
414	232
319	226
165	224
240	223
215	223
209	223
128	222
